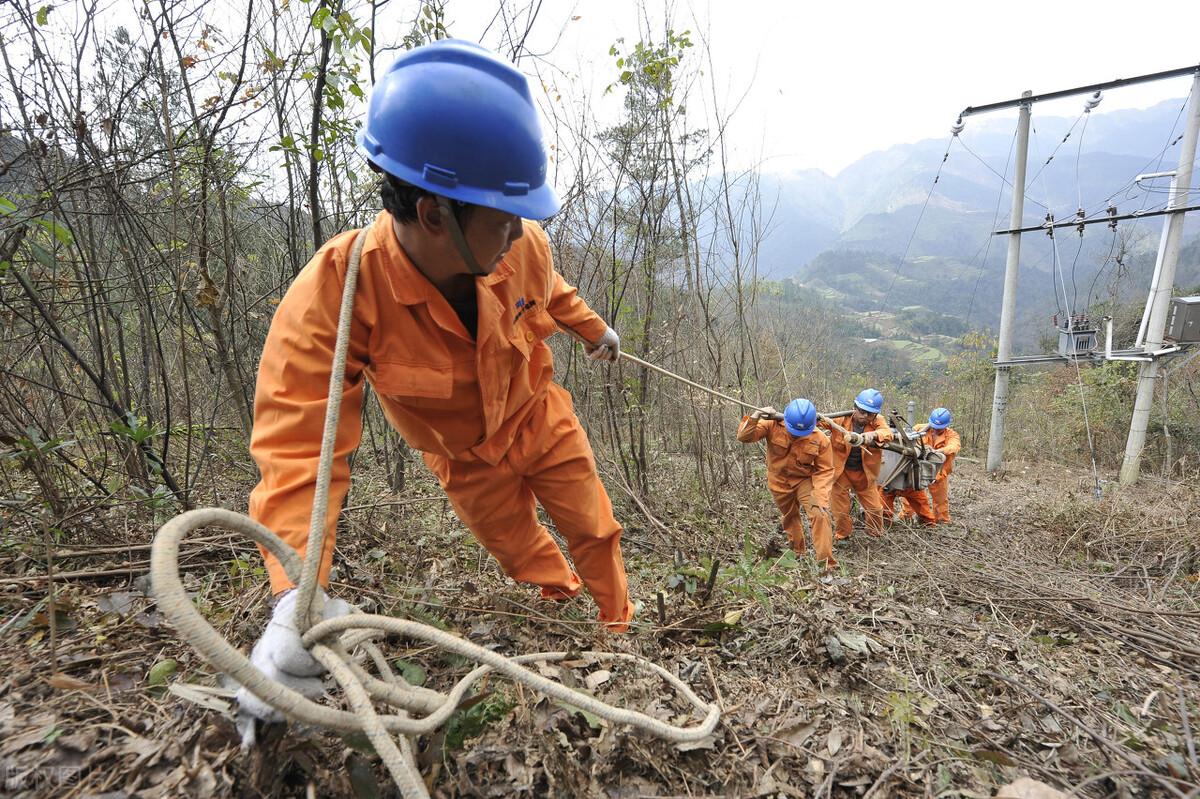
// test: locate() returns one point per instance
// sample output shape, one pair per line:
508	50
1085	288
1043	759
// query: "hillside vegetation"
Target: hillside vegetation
165	179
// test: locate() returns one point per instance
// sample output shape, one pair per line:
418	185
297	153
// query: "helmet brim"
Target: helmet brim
798	432
540	202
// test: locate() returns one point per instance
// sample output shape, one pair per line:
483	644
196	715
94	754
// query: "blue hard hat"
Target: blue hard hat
939	418
869	400
800	417
454	119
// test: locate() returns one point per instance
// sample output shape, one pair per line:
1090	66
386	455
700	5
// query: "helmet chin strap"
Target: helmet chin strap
460	241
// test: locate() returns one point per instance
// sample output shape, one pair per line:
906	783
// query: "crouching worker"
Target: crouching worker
940	436
799	472
456	294
913	502
856	459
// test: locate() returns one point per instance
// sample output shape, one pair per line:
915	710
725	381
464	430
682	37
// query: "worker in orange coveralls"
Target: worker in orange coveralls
856	460
800	472
942	438
456	295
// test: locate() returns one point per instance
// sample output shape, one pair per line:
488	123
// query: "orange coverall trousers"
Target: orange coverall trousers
550	462
867	491
790	504
912	502
939	490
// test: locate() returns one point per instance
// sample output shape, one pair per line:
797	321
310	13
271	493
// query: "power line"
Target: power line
1157	157
1070	130
1087	424
995	219
1003	178
1112	247
937	176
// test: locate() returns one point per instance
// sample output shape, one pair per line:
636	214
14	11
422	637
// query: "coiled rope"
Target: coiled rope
332	642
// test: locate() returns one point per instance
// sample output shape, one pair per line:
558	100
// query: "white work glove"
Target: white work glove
608	348
280	655
868	438
764	413
854	439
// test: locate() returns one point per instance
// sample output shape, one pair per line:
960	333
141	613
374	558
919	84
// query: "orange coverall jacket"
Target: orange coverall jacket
872	457
791	459
456	399
946	441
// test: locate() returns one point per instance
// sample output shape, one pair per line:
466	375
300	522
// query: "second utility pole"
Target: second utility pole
1160	294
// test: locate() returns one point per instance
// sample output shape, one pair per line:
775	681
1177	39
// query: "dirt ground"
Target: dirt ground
1043	634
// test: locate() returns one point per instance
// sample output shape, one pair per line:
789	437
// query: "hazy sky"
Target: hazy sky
822	84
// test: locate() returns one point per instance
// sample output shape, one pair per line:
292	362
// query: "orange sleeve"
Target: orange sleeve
562	299
290	401
823	474
953	443
751	430
883	431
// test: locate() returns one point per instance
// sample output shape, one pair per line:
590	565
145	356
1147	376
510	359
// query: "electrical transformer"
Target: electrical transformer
1076	336
1183	320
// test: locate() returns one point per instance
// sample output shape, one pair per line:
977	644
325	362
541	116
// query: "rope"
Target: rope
827	418
334	651
987	246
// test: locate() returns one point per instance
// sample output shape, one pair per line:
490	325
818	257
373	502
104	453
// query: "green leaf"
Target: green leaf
718	627
161	672
7	206
413	673
1126	716
61	233
43	15
42	255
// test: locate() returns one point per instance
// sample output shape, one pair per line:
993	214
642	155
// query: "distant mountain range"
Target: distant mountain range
844	236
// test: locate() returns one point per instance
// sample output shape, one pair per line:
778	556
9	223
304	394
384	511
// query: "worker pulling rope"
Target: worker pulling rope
911	449
333	642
